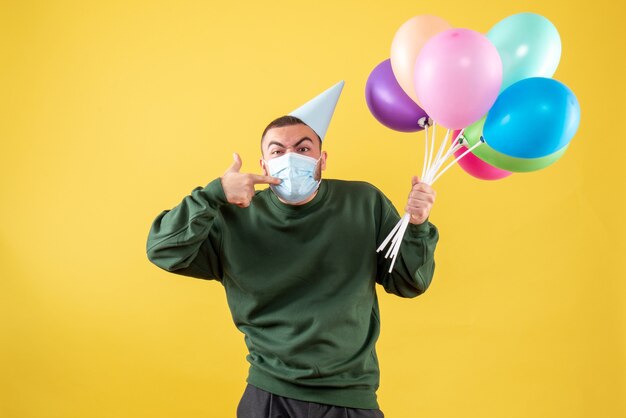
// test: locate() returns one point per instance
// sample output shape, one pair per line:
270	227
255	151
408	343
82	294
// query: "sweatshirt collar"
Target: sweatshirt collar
300	209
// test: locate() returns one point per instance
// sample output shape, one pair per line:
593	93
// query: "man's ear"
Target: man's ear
263	167
319	167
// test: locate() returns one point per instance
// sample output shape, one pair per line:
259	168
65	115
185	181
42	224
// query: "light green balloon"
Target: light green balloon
529	46
472	135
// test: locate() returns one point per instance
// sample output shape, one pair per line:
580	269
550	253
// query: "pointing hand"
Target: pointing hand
239	187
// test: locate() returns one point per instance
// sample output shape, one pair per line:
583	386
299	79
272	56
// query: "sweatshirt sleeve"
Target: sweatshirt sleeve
186	239
415	264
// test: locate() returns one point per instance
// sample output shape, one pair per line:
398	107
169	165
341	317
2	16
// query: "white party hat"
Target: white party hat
318	111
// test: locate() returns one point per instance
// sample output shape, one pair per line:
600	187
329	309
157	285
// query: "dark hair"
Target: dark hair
286	120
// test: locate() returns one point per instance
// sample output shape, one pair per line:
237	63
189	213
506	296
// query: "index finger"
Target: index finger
258	179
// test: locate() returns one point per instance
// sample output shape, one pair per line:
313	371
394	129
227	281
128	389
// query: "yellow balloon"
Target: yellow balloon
407	44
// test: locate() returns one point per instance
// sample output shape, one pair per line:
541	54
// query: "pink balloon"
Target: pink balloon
476	167
457	74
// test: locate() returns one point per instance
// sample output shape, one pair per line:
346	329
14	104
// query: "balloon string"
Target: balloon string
395	239
391	234
451	149
396	248
395	236
441	148
432	146
457	159
425	149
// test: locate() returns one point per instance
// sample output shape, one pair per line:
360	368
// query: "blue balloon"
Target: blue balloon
532	118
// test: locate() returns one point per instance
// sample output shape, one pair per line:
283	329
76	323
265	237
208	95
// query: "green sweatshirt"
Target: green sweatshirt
300	280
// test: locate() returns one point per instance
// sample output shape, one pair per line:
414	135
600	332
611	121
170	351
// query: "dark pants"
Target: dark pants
257	403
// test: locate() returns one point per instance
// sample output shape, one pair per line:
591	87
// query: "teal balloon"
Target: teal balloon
529	46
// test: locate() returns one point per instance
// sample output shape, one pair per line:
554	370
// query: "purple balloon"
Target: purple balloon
389	104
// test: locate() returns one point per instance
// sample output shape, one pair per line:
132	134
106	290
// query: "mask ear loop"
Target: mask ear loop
319	181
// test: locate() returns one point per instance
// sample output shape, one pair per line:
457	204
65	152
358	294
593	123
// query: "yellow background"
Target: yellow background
113	111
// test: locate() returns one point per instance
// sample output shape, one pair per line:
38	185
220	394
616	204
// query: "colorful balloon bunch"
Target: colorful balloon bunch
494	93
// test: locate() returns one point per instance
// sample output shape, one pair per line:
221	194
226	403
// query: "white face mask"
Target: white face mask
297	173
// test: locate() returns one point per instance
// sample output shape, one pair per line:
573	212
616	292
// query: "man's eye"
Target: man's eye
276	152
305	149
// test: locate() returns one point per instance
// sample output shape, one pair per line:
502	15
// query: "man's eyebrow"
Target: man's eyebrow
306	138
275	143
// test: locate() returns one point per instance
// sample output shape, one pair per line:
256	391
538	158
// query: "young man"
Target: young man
299	265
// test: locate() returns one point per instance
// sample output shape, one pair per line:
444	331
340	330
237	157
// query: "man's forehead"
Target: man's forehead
290	135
